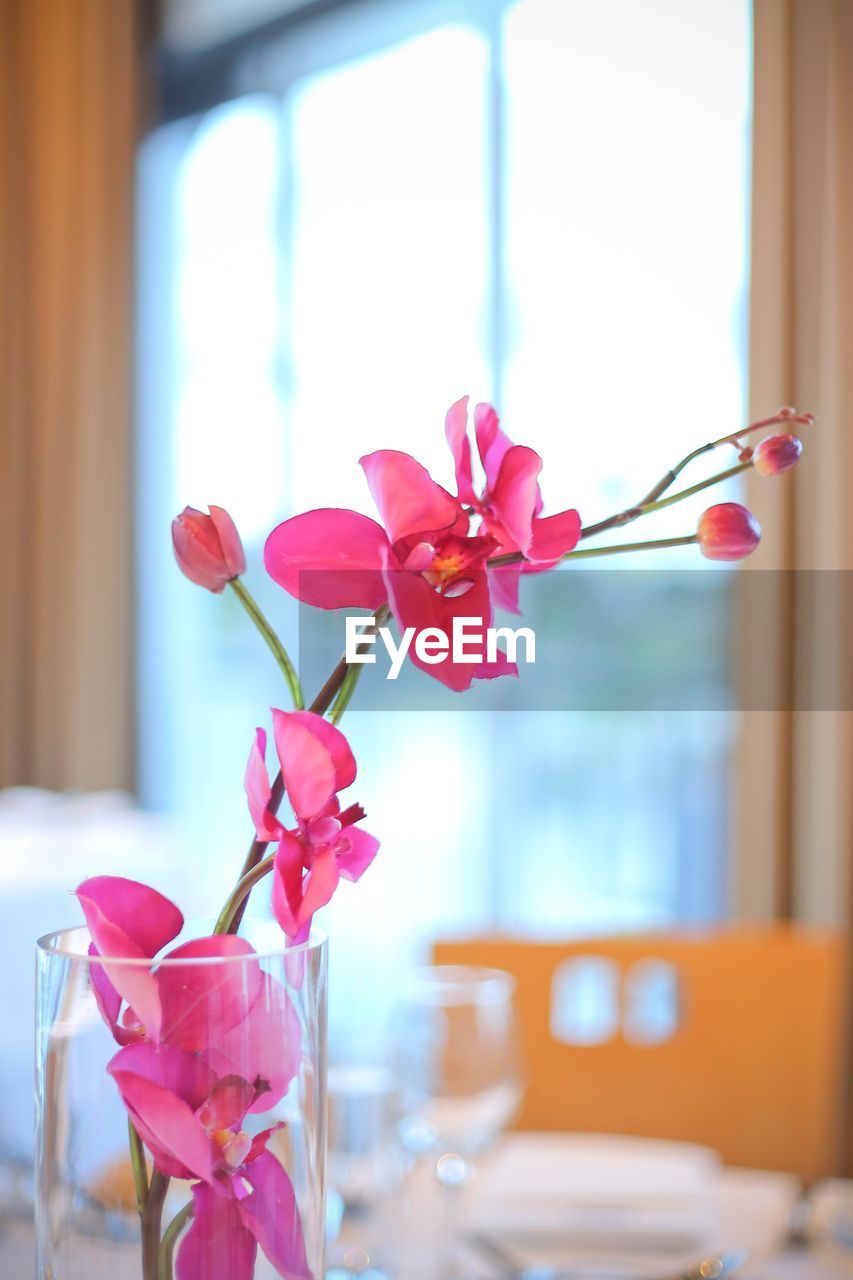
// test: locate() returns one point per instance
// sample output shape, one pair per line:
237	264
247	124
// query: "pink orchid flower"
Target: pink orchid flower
511	502
234	1016
424	563
327	843
191	1120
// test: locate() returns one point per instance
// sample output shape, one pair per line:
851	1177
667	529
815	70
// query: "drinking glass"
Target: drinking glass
459	1072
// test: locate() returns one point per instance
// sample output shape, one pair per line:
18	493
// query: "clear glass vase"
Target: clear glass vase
209	1112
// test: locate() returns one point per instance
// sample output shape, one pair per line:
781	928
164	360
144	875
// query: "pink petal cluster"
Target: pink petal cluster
208	547
191	1120
510	503
428	559
326	842
202	1047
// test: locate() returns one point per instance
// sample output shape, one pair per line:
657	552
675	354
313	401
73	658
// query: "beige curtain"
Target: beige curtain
67	133
796	812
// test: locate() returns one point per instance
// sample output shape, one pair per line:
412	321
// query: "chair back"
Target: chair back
729	1038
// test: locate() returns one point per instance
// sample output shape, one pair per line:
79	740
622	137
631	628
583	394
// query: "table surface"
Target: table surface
410	1223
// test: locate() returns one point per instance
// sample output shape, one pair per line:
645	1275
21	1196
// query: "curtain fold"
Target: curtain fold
796	825
67	140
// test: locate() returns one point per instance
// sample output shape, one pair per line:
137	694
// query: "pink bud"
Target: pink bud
208	548
728	531
778	453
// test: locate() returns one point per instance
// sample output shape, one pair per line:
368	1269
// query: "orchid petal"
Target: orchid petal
362	849
272	1216
218	1245
161	1089
307	764
229	540
320	883
492	443
493	670
296	897
287	884
416	604
456	431
258	792
553	537
148	919
515	493
202	1002
409	500
260	1141
107	999
227	1103
334	742
329	558
265	1048
129	921
503	582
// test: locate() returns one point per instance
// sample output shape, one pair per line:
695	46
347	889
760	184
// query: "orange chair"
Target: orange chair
753	1064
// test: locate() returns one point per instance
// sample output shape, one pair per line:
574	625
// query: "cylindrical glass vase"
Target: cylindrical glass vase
189	1142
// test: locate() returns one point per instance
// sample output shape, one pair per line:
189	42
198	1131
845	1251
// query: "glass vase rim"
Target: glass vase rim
50	944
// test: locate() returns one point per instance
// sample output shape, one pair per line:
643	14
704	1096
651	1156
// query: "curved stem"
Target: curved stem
694	488
276	647
623	517
140	1169
648	505
241	890
170	1239
347	689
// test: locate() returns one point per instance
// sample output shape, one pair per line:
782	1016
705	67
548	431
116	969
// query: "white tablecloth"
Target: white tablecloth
750	1208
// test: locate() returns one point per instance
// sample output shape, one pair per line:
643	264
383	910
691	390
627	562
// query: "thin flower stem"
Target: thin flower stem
657	503
170	1239
665	482
241	890
151	1222
347	689
276	647
586	553
658	544
647	507
140	1169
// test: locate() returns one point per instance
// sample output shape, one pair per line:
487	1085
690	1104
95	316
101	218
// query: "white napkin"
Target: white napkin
606	1203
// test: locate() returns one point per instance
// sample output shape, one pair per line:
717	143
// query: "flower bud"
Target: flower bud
208	548
728	531
777	454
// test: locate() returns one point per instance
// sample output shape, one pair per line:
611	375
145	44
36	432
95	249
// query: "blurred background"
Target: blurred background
243	242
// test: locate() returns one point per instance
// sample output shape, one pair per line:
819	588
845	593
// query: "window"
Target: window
543	203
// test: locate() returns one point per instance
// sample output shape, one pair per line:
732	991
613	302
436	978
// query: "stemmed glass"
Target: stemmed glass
459	1072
